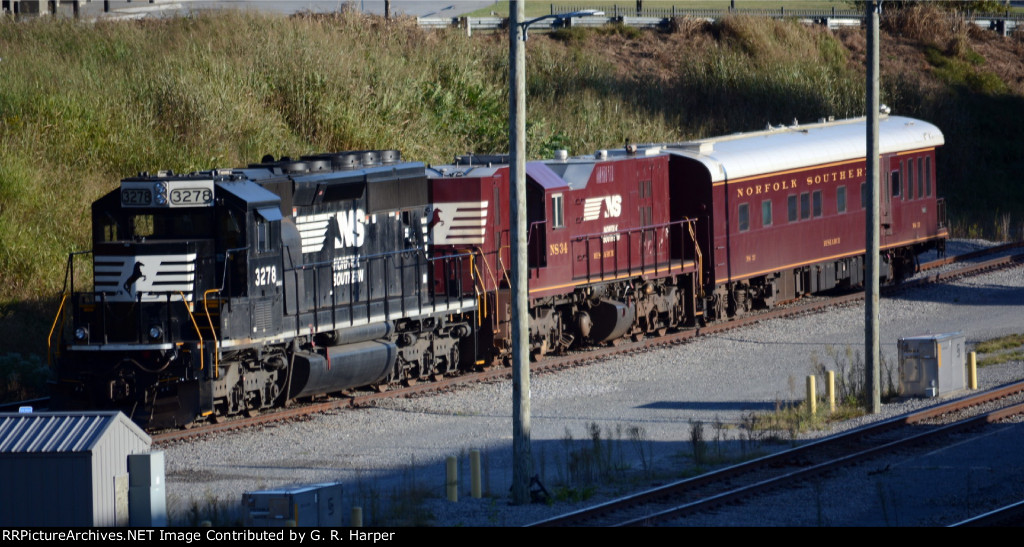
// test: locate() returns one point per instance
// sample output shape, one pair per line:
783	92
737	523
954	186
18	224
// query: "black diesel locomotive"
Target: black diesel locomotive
230	291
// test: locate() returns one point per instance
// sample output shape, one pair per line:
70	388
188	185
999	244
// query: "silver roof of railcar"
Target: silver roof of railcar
784	148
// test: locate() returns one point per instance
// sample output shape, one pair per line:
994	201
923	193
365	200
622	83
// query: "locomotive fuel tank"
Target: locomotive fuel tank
343	367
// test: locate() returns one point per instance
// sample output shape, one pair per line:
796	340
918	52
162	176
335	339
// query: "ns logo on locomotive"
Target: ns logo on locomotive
234	290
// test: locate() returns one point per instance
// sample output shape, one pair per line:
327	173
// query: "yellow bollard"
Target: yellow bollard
452	483
357	517
812	399
830	390
474	474
972	371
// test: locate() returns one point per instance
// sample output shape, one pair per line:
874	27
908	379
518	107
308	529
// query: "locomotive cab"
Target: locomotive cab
249	262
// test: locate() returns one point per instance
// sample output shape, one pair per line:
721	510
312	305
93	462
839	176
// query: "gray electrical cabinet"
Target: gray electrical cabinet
932	364
308	505
147	495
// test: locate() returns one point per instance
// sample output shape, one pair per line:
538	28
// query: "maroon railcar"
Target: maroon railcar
605	258
781	212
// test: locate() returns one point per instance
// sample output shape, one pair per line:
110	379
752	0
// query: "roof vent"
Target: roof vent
561	155
601	155
701	147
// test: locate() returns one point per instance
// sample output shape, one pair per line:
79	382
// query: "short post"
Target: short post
972	370
452	483
812	399
469	28
357	516
474	474
830	390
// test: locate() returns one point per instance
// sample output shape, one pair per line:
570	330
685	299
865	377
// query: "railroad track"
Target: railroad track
555	363
670	504
1009	515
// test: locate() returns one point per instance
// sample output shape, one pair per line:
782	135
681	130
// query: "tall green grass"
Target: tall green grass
83	105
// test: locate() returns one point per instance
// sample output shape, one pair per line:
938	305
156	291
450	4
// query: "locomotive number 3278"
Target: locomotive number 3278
266	275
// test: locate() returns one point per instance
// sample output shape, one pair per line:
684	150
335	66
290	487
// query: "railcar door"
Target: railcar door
885	195
266	275
890	216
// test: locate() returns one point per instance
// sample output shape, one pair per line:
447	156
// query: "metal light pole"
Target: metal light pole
520	329
873	399
522	463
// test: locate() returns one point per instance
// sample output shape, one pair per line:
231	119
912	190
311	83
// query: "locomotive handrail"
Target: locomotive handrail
357	263
69	289
600	237
224	280
49	337
534	228
69	271
699	256
213	332
202	361
635	229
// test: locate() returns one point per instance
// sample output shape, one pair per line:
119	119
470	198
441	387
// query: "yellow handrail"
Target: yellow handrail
196	325
700	261
49	346
213	333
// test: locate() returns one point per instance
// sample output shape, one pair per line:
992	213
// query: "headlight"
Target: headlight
160	199
155	333
81	334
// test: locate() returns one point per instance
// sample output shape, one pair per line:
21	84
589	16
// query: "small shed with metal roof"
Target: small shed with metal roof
67	468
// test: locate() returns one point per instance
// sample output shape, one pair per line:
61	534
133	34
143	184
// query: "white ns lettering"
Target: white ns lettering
266	275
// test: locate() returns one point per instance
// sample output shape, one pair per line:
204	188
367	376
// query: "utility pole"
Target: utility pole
873	399
522	464
387	9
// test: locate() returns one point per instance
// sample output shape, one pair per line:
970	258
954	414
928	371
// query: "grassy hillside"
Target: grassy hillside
83	105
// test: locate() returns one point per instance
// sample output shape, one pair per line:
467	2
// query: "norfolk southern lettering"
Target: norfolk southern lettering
794	183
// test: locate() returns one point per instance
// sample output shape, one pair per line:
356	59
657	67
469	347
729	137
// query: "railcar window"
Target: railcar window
792	208
557	218
110	226
805	205
895	183
766	212
268	232
928	176
902	173
262	236
231	230
497	207
841	199
910	178
646	189
817	202
142	225
920	178
744	217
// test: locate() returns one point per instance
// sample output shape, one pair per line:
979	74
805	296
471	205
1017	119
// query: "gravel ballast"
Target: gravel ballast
391	459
